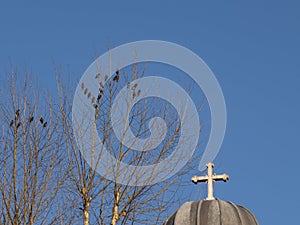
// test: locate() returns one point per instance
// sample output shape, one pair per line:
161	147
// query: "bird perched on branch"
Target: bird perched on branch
31	119
99	97
41	120
98	75
93	99
117	77
11	123
101	84
95	106
134	86
45	124
17	113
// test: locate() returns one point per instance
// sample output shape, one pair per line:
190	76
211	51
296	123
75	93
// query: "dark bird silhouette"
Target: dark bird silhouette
85	91
98	75
82	85
17	113
99	97
45	124
93	99
133	94
19	124
31	119
101	91
11	123
89	95
101	85
42	120
138	93
117	77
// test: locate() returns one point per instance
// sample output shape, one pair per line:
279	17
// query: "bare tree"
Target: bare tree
31	159
84	184
46	178
103	201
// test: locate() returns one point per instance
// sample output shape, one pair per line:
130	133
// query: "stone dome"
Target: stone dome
211	212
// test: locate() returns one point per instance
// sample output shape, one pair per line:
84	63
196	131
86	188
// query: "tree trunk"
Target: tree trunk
116	216
86	216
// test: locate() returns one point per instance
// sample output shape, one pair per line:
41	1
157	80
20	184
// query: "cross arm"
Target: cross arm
223	177
196	179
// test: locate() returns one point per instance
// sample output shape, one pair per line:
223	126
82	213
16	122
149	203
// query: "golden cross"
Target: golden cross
209	179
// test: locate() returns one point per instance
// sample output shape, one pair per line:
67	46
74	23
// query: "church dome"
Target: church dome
211	212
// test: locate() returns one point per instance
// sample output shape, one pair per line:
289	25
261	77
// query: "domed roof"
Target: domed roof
211	212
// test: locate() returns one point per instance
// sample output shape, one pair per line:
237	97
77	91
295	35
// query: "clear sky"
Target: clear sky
252	47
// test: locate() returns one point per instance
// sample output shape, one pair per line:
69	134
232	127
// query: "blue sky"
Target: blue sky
252	47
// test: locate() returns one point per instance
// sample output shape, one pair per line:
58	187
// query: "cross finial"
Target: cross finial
209	179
